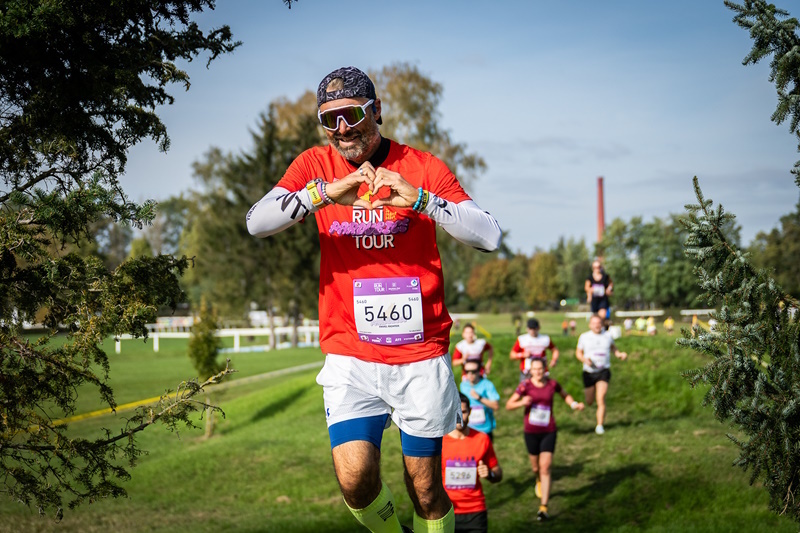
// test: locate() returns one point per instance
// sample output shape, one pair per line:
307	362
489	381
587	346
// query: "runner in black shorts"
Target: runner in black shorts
536	396
594	351
598	287
590	379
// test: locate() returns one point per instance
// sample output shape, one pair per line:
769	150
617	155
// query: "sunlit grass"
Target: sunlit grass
663	465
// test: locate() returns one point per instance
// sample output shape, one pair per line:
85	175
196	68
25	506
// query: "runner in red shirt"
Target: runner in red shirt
536	396
467	458
471	348
383	324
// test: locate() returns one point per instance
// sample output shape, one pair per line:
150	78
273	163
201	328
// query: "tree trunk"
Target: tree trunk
293	312
209	420
273	341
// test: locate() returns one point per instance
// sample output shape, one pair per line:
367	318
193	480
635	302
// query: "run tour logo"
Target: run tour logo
371	229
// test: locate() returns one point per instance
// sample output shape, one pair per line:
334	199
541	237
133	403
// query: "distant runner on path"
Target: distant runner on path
530	346
594	351
598	287
471	348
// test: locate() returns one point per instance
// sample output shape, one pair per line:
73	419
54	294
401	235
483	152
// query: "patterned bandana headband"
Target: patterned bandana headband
355	84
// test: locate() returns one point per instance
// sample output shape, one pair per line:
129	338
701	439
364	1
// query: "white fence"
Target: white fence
579	314
700	312
308	336
623	314
643	312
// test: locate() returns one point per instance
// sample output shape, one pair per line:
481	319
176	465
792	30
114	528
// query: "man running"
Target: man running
483	398
383	324
531	346
594	351
471	348
467	458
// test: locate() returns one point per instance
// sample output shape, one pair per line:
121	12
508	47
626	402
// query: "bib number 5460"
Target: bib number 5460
394	314
388	310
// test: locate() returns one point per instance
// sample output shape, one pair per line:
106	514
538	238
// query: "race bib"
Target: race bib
600	360
388	310
598	289
460	475
539	415
477	415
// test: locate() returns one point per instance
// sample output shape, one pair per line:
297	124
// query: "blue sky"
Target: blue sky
551	94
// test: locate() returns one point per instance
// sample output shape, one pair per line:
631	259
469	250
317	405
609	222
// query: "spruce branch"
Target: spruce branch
775	34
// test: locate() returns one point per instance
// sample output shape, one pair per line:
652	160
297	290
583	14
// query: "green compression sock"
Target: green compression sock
380	515
446	524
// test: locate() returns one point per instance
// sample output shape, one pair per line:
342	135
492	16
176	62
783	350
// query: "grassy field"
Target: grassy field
664	463
139	373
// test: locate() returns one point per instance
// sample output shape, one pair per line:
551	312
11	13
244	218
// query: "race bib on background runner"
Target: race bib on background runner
477	415
600	360
598	289
388	310
460	475
539	415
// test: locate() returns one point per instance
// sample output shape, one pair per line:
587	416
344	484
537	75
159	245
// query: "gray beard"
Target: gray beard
363	140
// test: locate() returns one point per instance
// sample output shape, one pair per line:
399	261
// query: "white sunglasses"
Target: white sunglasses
351	114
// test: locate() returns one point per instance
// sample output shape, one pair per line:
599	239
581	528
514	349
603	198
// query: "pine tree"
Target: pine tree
78	88
203	349
204	345
753	378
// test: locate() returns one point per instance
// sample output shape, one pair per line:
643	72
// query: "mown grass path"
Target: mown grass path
664	463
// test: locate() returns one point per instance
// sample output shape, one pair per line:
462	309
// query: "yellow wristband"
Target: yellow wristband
316	198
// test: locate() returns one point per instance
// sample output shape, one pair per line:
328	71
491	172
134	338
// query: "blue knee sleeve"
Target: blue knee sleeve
369	428
420	446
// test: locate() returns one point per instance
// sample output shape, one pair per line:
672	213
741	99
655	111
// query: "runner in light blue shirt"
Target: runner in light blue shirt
483	398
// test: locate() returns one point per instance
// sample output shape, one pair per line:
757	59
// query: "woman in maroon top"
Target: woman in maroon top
536	396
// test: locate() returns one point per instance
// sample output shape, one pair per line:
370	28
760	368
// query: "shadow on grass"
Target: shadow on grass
281	404
519	484
605	483
327	527
590	505
276	406
573	428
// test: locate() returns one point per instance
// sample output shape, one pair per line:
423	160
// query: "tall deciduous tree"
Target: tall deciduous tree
542	287
165	230
779	251
411	116
79	86
646	261
573	261
491	282
620	250
232	268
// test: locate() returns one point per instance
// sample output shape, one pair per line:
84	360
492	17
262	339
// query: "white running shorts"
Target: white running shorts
421	397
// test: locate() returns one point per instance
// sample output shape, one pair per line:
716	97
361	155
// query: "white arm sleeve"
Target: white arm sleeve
278	210
466	222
